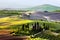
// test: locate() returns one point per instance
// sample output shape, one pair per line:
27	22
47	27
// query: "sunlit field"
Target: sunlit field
7	21
31	20
10	24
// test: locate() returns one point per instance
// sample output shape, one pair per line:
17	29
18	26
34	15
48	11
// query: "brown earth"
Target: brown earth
5	32
5	35
14	37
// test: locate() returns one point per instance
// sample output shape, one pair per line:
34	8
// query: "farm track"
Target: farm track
14	37
5	35
9	38
5	32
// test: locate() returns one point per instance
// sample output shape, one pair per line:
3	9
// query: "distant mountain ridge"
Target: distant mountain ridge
45	7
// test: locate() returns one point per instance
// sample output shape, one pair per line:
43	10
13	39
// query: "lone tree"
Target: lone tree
46	27
37	26
34	26
27	26
23	27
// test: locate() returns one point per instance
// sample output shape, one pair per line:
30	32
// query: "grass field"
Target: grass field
7	21
38	39
13	23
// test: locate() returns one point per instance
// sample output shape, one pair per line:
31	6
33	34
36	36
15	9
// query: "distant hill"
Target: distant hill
45	7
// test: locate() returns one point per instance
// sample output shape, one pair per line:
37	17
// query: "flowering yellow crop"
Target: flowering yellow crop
7	21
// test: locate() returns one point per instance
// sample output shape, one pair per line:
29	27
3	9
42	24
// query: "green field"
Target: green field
15	25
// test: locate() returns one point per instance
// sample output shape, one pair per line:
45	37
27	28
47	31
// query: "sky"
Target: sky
26	3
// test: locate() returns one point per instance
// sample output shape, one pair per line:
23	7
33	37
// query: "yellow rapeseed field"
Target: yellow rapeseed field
7	21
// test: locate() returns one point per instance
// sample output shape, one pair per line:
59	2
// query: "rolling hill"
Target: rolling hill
45	7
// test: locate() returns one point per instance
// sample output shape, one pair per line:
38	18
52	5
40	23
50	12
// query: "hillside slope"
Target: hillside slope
45	7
